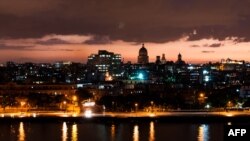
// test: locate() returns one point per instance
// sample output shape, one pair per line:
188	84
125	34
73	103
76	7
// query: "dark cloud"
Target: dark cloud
128	20
206	51
98	40
194	46
14	47
214	45
30	48
53	41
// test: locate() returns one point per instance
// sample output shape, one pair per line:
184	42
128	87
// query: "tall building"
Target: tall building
163	59
143	55
105	61
179	60
158	60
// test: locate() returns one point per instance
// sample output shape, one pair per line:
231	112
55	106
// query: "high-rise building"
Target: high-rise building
105	61
143	55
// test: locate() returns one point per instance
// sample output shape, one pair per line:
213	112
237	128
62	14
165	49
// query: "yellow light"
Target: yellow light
34	115
113	132
151	132
136	133
64	132
21	132
151	114
22	103
74	98
74	132
201	95
229	115
88	113
74	115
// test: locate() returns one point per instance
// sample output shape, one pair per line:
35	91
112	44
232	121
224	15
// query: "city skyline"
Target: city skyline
49	31
191	54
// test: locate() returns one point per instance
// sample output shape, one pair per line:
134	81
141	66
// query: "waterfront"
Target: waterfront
110	131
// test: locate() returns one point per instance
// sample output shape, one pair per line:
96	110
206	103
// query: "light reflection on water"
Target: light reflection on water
74	132
112	132
152	131
136	133
21	136
64	132
148	131
203	132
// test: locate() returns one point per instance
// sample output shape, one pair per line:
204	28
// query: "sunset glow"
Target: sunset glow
72	48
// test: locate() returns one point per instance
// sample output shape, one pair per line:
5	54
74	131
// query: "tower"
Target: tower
163	59
143	55
179	57
179	60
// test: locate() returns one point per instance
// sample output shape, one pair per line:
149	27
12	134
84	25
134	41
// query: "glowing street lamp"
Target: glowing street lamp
64	105
152	103
201	98
229	104
74	98
136	106
201	95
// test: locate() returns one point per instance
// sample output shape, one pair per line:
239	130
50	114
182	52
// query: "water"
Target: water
125	131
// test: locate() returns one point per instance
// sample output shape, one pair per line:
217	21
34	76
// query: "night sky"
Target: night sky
54	30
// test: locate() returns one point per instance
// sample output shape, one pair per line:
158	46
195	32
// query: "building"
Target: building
163	59
105	63
179	60
232	65
245	91
158	61
143	55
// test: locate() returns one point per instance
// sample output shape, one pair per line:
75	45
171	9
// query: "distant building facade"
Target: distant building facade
104	64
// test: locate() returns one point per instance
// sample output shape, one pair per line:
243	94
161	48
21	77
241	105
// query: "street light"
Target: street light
136	105
201	95
229	104
74	98
65	105
152	103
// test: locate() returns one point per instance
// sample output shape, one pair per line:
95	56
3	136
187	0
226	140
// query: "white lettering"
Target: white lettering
237	131
243	131
231	132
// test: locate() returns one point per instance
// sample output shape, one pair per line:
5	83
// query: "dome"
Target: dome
143	55
143	51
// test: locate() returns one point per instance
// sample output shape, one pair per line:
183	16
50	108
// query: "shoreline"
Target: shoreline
176	117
